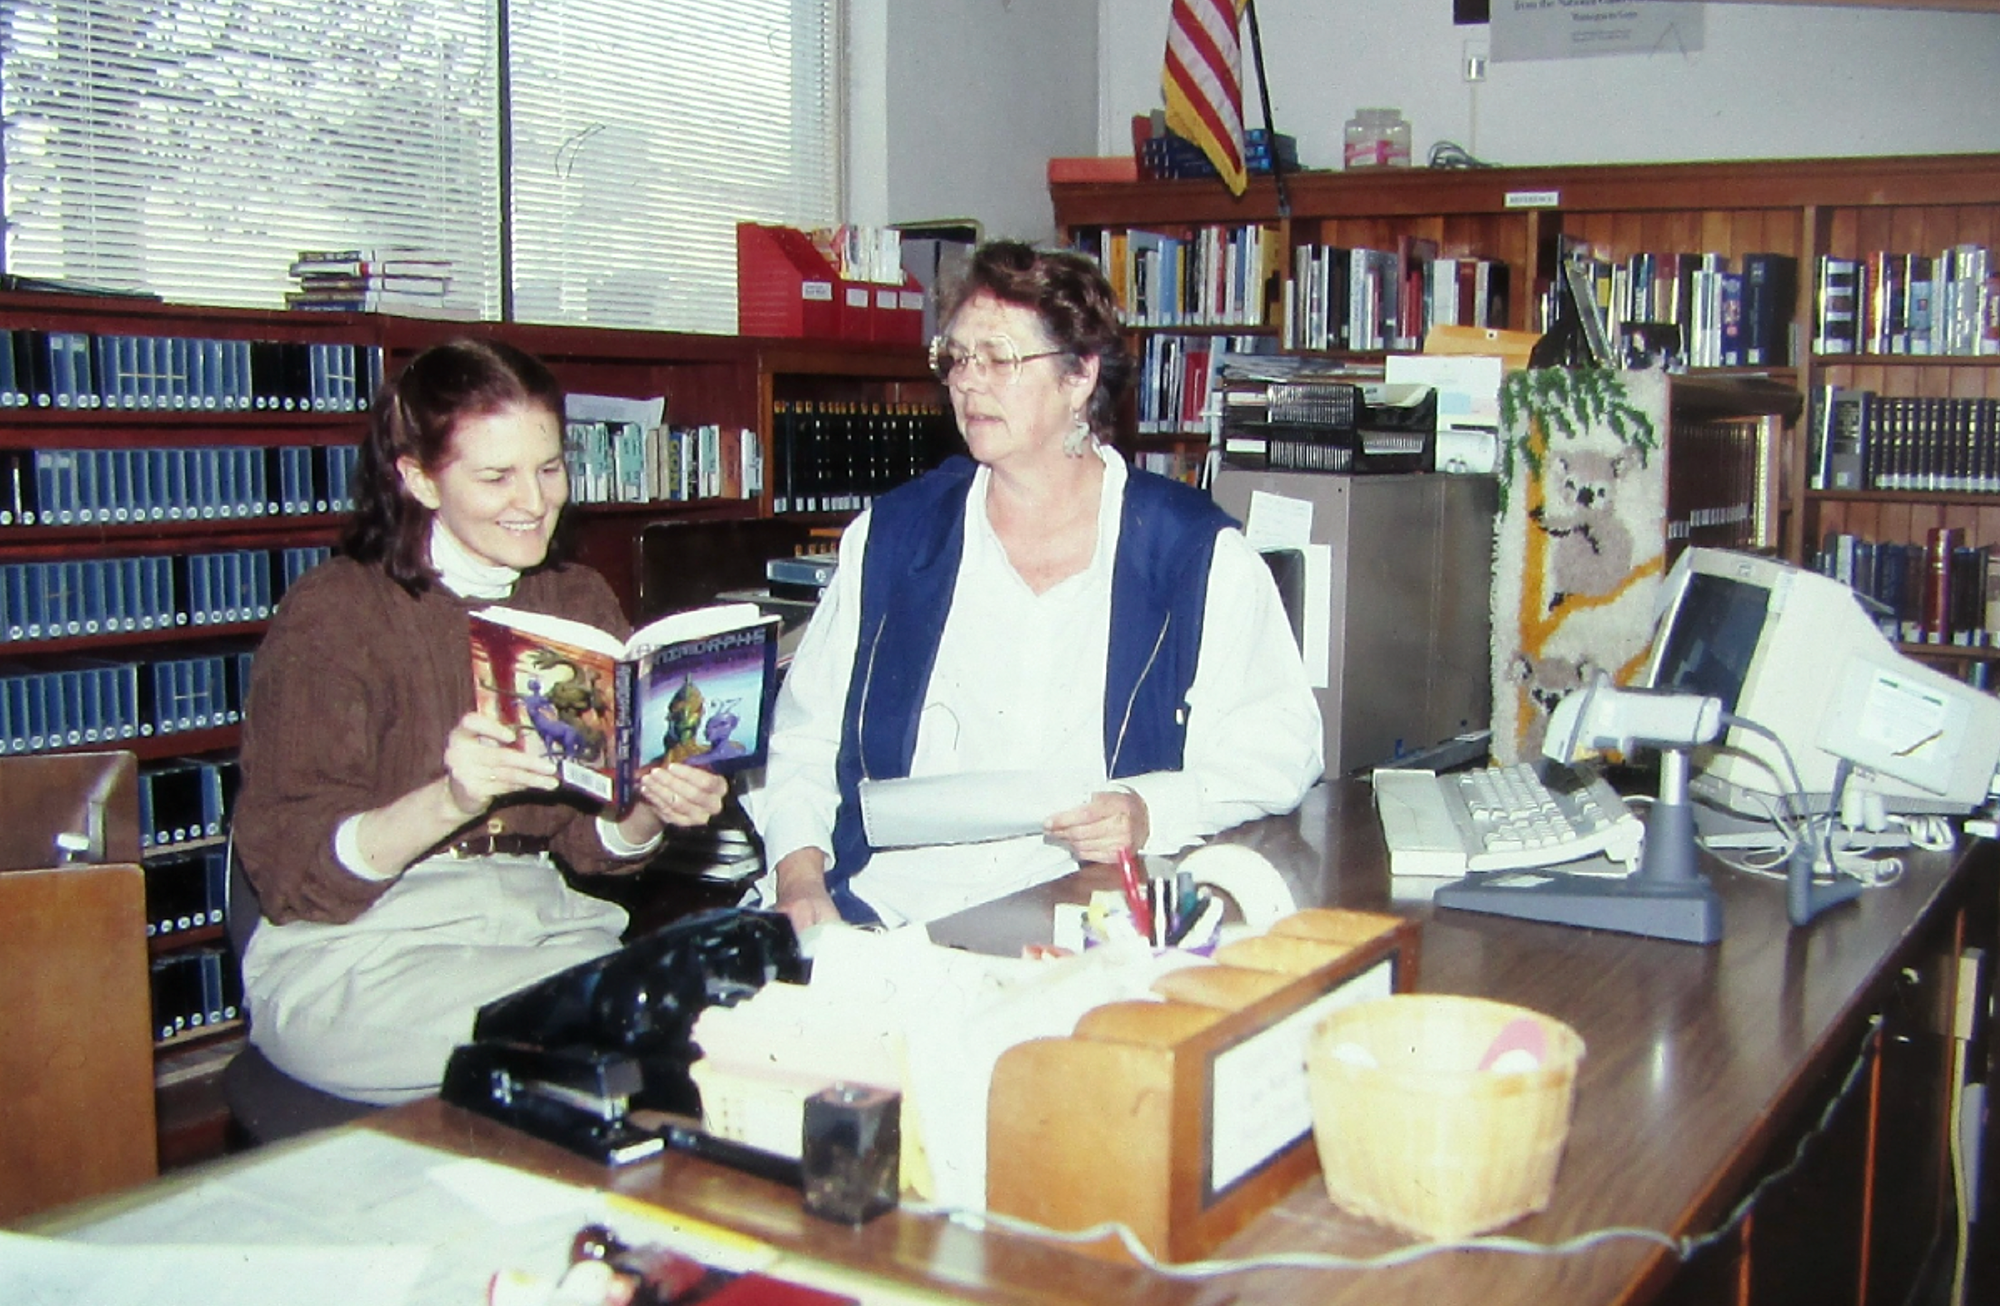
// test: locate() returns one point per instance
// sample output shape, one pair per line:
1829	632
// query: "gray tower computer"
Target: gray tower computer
1408	639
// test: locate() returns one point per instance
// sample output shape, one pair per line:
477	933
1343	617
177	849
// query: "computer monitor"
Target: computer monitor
1796	653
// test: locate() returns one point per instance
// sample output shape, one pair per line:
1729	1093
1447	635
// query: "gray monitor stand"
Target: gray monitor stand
1666	898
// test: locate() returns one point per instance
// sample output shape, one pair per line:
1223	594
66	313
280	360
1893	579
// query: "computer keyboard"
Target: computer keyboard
1503	818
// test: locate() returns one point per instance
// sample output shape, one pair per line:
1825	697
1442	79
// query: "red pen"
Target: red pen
1135	897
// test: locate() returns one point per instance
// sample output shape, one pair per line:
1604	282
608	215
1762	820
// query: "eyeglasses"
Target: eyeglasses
995	360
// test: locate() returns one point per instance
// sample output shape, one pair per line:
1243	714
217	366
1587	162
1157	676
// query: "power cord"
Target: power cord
1816	832
1685	1247
1450	154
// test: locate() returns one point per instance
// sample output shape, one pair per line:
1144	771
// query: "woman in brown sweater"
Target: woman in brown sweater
400	847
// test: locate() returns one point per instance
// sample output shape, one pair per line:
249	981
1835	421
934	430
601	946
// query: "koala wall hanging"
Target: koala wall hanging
1580	547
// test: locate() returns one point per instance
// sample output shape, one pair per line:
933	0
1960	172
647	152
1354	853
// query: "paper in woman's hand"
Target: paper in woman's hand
969	807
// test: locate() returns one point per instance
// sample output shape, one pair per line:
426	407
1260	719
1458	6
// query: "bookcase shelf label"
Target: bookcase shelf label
1533	199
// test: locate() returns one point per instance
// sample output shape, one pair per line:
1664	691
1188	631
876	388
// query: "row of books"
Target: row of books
829	456
186	891
1715	484
70	598
1174	379
1374	299
105	487
86	701
860	252
1215	276
78	370
626	462
1861	440
185	800
1944	304
1940	591
1726	312
1174	464
193	990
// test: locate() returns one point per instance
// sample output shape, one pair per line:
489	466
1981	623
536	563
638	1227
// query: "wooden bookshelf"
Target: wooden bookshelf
721	380
1803	208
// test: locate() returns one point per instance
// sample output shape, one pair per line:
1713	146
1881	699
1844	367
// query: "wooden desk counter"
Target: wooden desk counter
1704	1064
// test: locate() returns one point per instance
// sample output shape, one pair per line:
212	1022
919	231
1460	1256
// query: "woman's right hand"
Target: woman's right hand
802	891
481	764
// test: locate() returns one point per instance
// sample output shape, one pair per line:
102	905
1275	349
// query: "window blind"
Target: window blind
643	132
192	149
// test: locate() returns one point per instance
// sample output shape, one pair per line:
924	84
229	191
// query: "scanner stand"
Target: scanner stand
1666	898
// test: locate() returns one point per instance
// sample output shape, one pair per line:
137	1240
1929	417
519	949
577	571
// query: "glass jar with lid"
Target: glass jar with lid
1377	138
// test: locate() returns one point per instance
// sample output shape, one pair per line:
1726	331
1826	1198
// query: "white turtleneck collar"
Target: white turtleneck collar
465	574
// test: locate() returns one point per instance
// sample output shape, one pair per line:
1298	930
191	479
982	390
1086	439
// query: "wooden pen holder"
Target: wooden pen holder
1184	1119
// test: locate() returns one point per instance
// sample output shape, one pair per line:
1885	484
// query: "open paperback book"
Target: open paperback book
692	687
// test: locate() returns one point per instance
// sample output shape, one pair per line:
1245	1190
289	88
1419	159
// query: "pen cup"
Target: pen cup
850	1152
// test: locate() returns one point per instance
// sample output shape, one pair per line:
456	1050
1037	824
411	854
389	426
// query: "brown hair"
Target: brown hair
1071	296
416	416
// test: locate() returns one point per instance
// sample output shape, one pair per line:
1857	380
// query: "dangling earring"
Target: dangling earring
1079	437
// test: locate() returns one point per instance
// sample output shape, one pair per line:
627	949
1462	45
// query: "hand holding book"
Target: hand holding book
682	795
483	765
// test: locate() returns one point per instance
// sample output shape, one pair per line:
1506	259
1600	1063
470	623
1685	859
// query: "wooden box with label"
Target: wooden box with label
1184	1119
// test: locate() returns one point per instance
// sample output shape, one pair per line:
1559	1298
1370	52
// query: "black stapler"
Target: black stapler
571	1057
576	1097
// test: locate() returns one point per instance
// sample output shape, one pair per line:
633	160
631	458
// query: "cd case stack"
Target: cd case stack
1317	425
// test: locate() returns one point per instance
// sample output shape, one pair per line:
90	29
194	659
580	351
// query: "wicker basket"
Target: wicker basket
1424	1139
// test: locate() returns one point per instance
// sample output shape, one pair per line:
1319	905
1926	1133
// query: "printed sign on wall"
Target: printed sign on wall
1581	29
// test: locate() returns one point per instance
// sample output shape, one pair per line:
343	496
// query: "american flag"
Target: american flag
1204	84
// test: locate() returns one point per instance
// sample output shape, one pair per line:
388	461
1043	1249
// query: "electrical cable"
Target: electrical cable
1450	154
1931	833
1683	1247
1961	1195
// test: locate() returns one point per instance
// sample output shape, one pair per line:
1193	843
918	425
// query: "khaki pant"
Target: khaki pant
371	1009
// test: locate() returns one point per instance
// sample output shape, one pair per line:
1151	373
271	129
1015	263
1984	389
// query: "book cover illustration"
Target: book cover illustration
694	687
703	701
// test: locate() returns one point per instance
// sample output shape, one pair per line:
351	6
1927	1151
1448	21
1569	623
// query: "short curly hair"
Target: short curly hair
1071	296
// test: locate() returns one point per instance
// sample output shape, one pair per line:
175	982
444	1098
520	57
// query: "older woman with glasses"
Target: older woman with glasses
1038	618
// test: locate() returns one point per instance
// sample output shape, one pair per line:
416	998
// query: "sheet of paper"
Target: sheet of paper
968	807
1278	521
647	413
357	1218
958	1012
47	1271
1467	385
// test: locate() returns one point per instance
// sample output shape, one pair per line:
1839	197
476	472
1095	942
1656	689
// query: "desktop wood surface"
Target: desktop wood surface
1699	1063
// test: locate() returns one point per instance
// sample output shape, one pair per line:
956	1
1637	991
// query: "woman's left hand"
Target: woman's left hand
683	795
1097	831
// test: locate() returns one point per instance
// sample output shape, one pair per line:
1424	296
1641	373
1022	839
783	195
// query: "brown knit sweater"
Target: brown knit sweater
352	694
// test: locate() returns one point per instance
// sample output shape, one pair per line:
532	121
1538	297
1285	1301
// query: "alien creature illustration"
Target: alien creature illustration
684	712
562	707
721	724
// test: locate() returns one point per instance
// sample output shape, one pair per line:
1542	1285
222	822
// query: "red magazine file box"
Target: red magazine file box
899	313
785	287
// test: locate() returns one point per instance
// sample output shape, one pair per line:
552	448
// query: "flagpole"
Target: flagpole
1264	94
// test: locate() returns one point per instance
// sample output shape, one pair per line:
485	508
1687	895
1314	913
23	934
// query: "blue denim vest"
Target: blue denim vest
916	538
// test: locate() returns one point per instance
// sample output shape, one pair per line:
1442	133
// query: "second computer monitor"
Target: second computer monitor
1794	652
